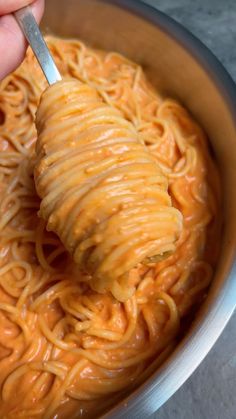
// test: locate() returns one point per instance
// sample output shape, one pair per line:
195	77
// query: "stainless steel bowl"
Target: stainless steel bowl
179	65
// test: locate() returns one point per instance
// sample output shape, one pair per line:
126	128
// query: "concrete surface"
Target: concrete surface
210	393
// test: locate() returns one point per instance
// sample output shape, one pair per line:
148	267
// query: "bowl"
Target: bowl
180	66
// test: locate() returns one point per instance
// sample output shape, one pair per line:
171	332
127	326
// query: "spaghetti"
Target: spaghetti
63	345
103	193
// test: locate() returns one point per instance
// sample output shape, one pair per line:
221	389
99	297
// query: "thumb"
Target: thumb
9	6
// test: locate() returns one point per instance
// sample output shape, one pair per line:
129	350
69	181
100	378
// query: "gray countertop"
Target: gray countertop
210	393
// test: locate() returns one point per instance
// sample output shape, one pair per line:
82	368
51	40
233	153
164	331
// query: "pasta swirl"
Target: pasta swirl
102	191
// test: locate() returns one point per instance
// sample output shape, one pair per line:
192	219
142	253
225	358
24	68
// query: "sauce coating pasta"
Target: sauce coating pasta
63	345
102	191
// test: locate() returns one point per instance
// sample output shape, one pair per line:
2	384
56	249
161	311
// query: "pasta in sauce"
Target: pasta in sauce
102	191
63	345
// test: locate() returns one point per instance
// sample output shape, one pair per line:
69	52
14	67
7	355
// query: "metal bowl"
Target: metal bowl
180	66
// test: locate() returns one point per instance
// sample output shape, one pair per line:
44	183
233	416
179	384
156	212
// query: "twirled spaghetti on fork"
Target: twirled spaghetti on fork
102	191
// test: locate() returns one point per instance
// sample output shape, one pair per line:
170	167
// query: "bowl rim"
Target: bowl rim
152	394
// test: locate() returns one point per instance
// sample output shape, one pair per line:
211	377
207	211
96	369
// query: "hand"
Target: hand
12	42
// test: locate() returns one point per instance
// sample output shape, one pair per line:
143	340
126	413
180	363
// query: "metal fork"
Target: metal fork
29	26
